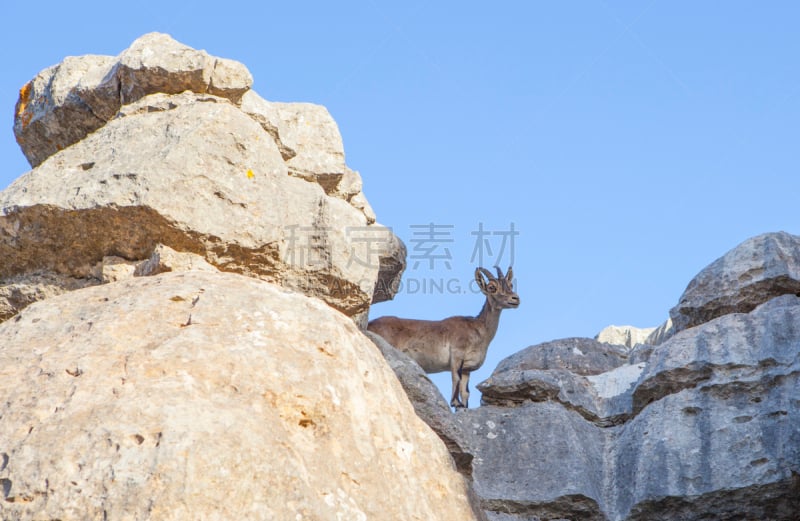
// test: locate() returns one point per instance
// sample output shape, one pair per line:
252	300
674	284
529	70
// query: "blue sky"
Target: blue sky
629	143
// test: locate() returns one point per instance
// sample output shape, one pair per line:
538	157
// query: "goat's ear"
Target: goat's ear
510	274
480	280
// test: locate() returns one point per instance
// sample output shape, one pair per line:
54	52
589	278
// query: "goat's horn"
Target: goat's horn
499	272
487	273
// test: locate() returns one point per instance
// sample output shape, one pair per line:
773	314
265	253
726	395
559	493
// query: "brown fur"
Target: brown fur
458	344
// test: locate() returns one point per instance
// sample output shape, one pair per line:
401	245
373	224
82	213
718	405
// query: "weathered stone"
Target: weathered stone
708	426
538	459
19	291
718	425
582	356
217	190
208	396
734	350
66	102
428	402
755	271
627	336
660	334
165	259
392	265
310	143
157	63
604	399
113	268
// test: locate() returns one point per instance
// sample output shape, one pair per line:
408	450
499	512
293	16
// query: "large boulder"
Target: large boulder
66	102
215	181
428	402
537	460
201	395
717	432
582	356
218	190
755	271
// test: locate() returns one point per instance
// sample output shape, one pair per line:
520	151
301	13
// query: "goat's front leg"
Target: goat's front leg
463	388
455	372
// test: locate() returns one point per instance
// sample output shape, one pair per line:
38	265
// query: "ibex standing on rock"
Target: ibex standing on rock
458	344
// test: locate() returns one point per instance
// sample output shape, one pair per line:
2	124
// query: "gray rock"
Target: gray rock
755	271
582	356
708	427
21	290
392	266
733	350
538	459
604	399
660	334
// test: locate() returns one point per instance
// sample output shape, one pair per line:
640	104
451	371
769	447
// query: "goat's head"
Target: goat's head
498	289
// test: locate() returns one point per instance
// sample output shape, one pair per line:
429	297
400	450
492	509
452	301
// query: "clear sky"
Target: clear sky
629	143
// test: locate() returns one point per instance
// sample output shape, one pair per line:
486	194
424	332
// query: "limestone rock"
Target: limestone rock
157	63
582	356
757	270
717	430
538	460
392	265
208	396
113	268
604	399
706	427
19	291
310	143
165	259
627	336
660	334
217	190
66	102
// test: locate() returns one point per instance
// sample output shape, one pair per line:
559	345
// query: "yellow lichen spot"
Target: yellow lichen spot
22	104
24	97
250	174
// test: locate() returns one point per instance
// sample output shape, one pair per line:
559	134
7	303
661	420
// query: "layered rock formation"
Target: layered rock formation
705	425
168	145
142	381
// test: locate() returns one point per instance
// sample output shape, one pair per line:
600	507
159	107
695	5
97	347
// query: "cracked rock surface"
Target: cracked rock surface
167	145
201	395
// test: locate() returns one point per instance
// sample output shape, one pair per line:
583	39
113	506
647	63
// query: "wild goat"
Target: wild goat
458	344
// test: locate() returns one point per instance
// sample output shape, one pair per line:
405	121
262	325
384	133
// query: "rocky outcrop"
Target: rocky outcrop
66	102
717	426
627	336
755	271
707	427
267	198
200	395
702	426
